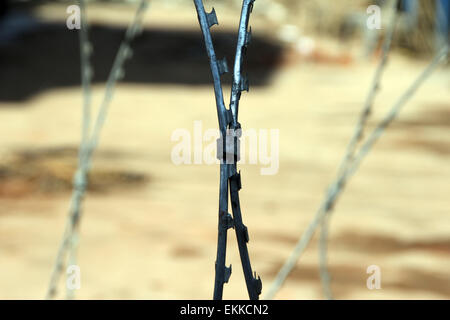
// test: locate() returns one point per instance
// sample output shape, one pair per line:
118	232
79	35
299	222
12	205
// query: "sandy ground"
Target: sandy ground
158	240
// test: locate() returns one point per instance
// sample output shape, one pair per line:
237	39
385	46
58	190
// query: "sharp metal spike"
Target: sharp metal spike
227	274
244	85
237	178
223	66
246	237
127	53
212	18
251	5
229	115
119	74
257	284
229	221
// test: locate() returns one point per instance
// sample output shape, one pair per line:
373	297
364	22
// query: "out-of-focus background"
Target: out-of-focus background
149	227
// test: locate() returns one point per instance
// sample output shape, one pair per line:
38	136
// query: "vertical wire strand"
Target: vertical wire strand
86	80
253	283
228	170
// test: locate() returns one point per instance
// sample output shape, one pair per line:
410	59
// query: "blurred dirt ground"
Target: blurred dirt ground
155	237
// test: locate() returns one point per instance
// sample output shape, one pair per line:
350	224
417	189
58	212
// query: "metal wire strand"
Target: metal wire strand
88	144
206	21
352	146
338	186
228	172
86	79
240	83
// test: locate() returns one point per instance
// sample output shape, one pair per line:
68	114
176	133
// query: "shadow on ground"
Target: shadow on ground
48	171
48	58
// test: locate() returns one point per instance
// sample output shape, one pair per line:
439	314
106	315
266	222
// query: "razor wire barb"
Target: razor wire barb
353	144
89	142
339	183
228	149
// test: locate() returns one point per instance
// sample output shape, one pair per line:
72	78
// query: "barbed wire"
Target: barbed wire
89	143
337	187
241	83
353	144
230	178
87	74
230	132
222	272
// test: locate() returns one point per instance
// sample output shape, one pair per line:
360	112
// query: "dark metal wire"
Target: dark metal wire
230	179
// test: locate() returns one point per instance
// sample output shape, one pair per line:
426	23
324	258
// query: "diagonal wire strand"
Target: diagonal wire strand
86	78
240	83
86	82
337	187
221	276
89	143
229	178
352	146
